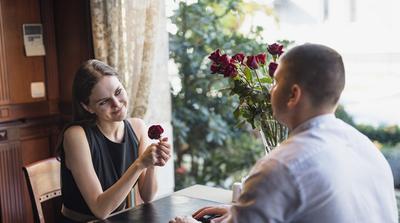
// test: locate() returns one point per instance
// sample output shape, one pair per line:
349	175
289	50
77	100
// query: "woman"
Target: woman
103	154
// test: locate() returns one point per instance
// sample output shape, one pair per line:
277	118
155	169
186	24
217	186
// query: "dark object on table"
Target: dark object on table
208	218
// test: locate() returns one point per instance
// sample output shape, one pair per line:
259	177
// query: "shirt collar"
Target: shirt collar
316	121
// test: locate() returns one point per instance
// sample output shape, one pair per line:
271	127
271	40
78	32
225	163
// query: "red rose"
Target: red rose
214	68
261	58
252	62
275	49
155	131
239	57
215	56
271	68
230	70
225	60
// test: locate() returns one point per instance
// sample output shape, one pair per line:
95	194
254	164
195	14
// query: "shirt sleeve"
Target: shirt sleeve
269	195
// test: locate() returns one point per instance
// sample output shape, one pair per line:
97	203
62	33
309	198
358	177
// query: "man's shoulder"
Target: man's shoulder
292	150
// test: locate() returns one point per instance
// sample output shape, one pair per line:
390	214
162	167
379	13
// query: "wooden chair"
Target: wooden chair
44	183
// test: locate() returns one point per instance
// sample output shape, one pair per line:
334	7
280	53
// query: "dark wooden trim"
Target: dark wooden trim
49	38
4	90
28	110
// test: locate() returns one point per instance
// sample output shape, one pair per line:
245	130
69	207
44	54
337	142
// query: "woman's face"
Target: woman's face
108	100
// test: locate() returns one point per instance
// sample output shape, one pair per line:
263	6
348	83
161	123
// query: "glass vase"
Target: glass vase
272	133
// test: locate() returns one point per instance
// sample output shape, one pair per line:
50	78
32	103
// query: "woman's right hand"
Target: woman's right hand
149	157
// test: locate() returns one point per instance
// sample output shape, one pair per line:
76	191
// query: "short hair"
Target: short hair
318	69
86	77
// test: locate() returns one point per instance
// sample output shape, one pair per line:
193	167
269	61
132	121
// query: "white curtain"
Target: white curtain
126	36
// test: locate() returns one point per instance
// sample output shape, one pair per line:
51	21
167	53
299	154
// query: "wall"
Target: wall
159	110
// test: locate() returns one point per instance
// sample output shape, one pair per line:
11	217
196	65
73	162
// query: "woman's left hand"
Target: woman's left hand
163	152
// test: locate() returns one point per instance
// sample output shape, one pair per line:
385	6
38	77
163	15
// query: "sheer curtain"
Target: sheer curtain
131	36
125	36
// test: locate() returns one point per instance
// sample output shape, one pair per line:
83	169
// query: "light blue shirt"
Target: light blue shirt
326	171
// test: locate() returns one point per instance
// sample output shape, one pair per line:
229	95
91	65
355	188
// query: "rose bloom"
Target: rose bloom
271	68
215	56
230	71
275	49
261	58
252	62
214	68
155	131
239	57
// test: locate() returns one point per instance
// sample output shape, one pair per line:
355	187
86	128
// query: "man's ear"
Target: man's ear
295	95
87	108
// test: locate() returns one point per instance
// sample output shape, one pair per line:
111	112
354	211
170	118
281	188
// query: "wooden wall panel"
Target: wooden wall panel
21	70
34	150
11	183
74	43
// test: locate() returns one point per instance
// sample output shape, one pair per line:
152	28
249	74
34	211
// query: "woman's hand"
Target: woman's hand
163	152
149	157
156	154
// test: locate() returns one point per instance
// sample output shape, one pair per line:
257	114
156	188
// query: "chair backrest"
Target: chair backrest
44	183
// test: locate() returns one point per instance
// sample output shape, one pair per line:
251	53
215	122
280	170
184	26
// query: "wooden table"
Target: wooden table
183	202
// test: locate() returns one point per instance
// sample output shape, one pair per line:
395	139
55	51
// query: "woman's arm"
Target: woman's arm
78	160
147	180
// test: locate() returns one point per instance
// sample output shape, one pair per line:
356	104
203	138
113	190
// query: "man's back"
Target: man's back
325	172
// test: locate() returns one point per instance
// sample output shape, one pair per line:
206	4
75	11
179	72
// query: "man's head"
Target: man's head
309	81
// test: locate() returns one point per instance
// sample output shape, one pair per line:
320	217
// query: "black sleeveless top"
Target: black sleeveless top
110	161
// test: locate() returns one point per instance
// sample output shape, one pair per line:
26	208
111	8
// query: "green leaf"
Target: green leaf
247	73
237	113
266	80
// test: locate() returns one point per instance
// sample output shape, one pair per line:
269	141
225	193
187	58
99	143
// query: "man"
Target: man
326	171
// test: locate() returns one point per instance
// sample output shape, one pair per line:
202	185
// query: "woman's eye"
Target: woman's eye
118	91
103	102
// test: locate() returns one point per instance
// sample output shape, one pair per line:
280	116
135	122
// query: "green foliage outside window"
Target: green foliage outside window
210	147
387	135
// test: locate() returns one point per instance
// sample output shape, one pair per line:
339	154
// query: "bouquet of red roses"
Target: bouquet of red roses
251	78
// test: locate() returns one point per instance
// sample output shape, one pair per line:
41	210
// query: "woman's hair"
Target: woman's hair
87	76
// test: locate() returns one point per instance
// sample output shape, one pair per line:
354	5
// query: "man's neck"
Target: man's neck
303	116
